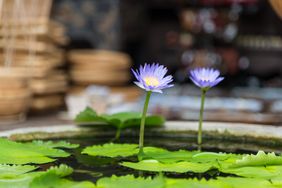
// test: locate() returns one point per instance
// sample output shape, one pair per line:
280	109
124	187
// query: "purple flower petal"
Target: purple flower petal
151	77
205	77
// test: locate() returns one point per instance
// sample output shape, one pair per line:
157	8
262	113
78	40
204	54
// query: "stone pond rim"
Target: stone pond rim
233	133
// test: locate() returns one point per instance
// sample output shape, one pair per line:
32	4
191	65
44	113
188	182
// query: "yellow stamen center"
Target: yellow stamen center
205	79
151	81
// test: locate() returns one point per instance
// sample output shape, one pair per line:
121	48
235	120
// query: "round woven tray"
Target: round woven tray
14	100
100	77
47	102
56	83
14	92
100	56
40	60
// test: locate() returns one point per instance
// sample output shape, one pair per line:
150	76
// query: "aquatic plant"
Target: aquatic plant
152	79
240	170
205	78
119	121
37	152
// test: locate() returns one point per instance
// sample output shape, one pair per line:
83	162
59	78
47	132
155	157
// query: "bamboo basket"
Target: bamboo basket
48	102
54	83
99	67
15	95
30	14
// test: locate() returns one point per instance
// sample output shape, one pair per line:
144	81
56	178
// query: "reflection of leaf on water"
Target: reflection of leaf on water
88	160
91	173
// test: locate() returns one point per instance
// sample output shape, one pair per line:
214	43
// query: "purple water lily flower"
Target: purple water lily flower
205	78
151	77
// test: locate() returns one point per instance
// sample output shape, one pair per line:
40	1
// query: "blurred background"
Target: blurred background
57	57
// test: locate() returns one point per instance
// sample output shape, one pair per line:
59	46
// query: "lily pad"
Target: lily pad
166	156
162	182
260	159
111	150
24	153
235	182
51	144
179	167
204	157
50	180
191	183
118	150
54	177
12	170
119	120
266	172
130	182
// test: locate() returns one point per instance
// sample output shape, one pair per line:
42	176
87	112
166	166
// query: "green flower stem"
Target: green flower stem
117	136
142	125
201	119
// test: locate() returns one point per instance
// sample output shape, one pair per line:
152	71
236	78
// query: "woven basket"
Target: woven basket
15	94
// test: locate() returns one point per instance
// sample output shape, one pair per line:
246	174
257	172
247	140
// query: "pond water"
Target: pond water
92	168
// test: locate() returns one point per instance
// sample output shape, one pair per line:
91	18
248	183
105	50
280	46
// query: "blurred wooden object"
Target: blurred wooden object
15	95
277	7
130	93
54	83
46	60
99	67
47	102
110	78
116	59
29	41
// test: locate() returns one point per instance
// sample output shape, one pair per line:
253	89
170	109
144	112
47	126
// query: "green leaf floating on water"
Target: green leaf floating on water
117	150
52	178
212	156
179	167
23	153
266	172
119	120
234	182
260	159
51	144
130	181
160	154
13	170
161	182
111	150
166	156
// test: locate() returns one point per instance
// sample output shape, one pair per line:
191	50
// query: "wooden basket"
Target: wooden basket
100	56
56	83
49	60
100	77
48	102
15	94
